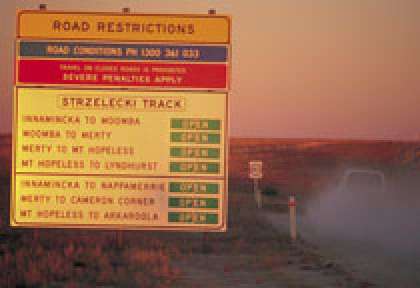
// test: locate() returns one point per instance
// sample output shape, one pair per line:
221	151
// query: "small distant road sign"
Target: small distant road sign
255	169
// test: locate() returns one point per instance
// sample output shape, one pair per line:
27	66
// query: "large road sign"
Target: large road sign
88	154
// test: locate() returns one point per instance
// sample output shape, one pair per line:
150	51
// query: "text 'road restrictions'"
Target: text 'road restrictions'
129	27
97	157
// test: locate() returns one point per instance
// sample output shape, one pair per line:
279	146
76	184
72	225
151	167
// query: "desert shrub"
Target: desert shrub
270	191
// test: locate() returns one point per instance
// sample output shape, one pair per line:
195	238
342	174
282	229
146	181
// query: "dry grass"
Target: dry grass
75	262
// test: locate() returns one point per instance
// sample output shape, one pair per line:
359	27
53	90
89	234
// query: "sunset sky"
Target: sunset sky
318	69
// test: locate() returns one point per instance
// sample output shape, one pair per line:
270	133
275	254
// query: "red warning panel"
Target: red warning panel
121	74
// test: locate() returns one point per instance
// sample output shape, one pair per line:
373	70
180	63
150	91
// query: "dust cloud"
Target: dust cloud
369	221
370	207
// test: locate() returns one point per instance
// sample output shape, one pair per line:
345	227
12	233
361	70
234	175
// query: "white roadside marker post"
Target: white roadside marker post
255	173
292	218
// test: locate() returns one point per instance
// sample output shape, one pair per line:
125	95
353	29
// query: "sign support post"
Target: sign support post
257	194
292	218
120	239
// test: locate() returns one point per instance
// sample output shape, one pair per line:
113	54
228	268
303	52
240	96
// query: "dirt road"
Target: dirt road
268	263
208	271
365	259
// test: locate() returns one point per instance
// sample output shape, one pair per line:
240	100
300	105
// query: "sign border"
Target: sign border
222	227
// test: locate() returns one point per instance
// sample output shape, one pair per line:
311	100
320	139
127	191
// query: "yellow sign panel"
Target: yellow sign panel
106	159
124	27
